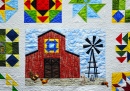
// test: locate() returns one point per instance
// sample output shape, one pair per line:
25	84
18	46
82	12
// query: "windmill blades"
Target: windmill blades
96	50
86	46
98	41
88	41
89	50
94	38
100	45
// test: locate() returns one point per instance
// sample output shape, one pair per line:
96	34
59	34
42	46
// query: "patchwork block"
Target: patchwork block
42	11
9	47
9	81
123	49
120	11
86	8
121	81
76	57
51	45
7	9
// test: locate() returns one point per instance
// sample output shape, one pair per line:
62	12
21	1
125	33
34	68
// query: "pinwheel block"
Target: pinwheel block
7	9
86	8
9	47
121	81
39	11
120	11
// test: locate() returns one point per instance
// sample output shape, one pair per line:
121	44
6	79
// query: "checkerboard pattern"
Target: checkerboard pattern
9	47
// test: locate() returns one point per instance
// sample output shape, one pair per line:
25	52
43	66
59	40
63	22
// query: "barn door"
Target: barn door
52	68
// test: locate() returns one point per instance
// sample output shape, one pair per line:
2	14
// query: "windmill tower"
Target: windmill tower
92	46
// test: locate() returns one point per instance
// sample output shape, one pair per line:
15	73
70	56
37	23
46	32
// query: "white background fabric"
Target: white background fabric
104	23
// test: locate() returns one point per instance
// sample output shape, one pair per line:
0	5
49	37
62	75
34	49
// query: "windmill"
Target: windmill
93	46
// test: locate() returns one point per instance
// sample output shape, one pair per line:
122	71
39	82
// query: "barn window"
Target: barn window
51	45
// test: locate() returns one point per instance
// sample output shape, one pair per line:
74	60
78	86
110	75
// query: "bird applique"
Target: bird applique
44	81
33	76
104	83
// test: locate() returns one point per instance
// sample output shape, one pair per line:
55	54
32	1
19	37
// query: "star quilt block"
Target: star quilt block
42	11
121	81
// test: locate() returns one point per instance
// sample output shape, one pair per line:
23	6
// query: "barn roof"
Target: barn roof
31	53
51	31
72	53
54	32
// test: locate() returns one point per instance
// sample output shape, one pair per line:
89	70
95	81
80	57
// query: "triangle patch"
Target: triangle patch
119	38
57	19
121	47
96	7
27	3
53	13
91	13
76	1
8	77
42	18
121	81
8	83
14	89
14	83
83	13
1	76
121	59
9	7
2	8
117	89
121	53
31	13
128	56
27	18
58	3
9	80
125	38
76	10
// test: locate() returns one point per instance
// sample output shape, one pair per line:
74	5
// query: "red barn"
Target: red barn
51	60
